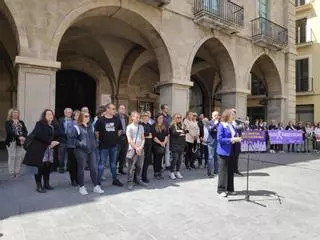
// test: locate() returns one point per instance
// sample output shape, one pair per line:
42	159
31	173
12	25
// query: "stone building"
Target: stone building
307	68
198	54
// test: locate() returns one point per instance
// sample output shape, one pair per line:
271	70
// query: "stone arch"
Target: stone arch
224	60
273	104
92	68
16	23
136	20
125	71
271	74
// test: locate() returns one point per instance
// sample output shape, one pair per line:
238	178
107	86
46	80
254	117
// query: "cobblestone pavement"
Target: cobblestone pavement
170	210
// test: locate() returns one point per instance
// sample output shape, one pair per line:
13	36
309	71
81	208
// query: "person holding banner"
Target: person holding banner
292	128
273	126
227	138
301	146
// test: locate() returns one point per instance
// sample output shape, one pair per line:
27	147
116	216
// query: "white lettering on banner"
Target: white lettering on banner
110	127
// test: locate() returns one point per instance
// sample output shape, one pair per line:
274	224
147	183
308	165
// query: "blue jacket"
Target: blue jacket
212	128
224	136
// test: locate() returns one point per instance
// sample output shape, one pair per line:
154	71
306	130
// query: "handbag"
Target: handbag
159	150
131	152
28	141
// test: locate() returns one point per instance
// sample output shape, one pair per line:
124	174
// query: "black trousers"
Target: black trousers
189	161
72	165
122	152
226	175
157	159
43	173
291	146
176	161
147	158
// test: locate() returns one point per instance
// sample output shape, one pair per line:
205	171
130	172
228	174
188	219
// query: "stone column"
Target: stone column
235	98
276	109
176	95
36	87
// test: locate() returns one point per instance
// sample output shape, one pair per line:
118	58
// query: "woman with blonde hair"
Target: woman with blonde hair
192	138
227	138
177	145
16	136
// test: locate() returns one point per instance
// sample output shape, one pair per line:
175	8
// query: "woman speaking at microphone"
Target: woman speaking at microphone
227	136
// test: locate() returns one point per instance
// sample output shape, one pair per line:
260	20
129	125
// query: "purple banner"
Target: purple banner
285	137
253	141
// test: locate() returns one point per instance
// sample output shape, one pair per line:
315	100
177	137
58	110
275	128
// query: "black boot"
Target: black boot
46	178
39	188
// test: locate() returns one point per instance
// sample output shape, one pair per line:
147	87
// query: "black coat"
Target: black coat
11	135
177	139
43	134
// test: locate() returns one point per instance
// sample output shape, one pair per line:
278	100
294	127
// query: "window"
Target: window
302	2
305	113
263	8
257	86
256	113
302	75
303	32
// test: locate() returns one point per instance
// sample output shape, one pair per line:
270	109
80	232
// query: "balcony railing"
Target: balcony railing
220	14
157	3
304	84
266	33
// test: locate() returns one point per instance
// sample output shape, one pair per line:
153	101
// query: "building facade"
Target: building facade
198	54
307	69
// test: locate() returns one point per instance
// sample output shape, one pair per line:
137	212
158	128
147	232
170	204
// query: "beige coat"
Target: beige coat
193	129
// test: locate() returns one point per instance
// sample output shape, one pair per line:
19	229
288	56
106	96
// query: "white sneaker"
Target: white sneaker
223	194
178	175
97	189
83	191
172	176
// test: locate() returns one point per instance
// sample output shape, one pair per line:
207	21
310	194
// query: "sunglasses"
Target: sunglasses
86	116
179	117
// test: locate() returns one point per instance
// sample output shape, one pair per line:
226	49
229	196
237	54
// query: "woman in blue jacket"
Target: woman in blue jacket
227	136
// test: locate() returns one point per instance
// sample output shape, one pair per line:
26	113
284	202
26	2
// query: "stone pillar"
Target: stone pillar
176	95
235	99
276	109
36	88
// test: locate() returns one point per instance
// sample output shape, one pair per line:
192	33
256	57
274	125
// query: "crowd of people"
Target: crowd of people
78	142
311	135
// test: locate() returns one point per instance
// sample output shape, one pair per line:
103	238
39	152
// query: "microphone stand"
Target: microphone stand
247	196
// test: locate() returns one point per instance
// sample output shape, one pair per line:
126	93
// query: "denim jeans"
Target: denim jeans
213	163
104	154
62	155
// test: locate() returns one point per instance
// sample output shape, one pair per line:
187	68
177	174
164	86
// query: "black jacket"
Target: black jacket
84	138
177	138
200	125
126	119
43	135
11	134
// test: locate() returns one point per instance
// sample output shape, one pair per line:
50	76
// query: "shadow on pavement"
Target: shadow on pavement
18	196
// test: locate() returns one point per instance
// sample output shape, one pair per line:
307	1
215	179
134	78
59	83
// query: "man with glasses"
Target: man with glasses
108	129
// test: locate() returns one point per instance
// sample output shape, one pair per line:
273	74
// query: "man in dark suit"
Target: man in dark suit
123	142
